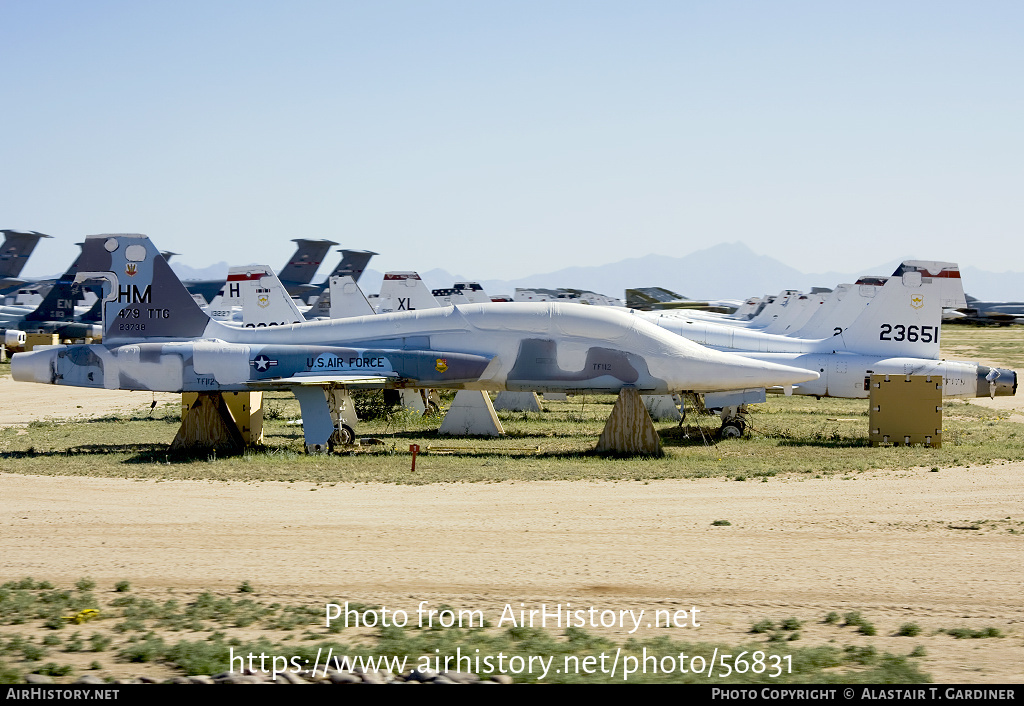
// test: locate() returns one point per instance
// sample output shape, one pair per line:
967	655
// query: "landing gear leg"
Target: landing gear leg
735	420
328	417
343	415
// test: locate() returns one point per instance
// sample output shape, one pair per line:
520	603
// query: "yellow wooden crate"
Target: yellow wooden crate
905	410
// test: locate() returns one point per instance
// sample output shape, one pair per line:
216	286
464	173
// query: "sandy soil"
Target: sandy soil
893	545
26	402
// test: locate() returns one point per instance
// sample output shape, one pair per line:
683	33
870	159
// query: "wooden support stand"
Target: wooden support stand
229	421
629	429
905	410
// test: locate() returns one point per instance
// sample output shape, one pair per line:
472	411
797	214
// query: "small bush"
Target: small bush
74	644
861	655
919	651
762	627
722	523
33	652
909	630
54	622
791	624
853	618
9	675
99	643
85	584
122	586
967	633
245	587
832	618
52	669
130	625
149	650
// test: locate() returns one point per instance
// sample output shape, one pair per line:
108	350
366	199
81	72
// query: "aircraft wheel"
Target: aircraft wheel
733	429
343	436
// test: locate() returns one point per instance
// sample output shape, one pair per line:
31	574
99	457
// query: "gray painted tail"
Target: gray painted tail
305	262
17	246
352	264
142	297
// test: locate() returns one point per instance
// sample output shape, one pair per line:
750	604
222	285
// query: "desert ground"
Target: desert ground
943	549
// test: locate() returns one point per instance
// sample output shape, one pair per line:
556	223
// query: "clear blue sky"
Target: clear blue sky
498	140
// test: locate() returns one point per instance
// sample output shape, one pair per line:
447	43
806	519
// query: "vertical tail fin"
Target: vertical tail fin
264	300
346	299
904	318
142	297
352	264
306	260
404	291
473	292
95	313
59	302
16	248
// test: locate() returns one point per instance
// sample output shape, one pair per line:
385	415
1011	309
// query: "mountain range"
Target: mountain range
724	271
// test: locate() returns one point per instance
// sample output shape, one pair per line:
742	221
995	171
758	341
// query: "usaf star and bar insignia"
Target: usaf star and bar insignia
262	363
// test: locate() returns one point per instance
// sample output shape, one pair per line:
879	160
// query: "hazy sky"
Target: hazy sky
498	140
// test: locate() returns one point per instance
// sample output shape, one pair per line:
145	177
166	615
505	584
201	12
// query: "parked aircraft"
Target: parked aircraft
253	297
461	293
896	331
402	291
295	275
14	253
577	296
157	338
656	298
343	299
992	312
55	314
353	263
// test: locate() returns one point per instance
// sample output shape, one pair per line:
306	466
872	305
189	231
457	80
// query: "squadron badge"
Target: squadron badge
442	365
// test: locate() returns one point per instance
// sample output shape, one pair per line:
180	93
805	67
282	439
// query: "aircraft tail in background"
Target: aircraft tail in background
306	261
461	293
404	291
59	302
345	299
353	263
14	253
264	300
